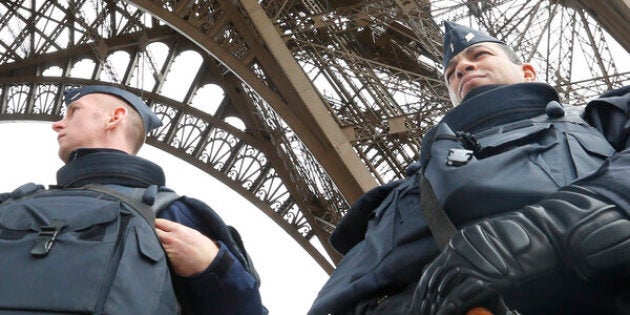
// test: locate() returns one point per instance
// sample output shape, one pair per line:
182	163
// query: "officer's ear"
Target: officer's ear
116	117
529	72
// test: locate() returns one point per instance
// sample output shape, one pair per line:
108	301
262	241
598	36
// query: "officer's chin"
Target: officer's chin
64	155
454	99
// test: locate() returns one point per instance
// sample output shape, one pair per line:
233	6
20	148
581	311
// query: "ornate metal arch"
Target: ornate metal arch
334	95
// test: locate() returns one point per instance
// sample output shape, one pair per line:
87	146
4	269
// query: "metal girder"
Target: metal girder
613	16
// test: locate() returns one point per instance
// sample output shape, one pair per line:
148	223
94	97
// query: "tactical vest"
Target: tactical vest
491	168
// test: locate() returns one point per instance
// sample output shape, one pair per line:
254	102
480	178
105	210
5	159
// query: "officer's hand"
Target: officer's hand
452	285
189	251
480	262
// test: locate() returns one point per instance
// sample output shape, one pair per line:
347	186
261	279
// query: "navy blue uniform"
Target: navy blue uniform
225	287
503	148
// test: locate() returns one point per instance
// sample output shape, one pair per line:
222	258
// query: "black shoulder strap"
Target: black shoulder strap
163	200
137	199
440	225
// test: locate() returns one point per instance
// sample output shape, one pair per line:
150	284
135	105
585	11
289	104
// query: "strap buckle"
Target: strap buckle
458	157
46	238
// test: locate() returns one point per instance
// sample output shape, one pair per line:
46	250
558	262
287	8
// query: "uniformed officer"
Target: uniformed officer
537	190
552	177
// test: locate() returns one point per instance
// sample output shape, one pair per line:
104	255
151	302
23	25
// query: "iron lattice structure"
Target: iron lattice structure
317	100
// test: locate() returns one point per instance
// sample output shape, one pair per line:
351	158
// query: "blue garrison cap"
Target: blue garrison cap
149	118
458	37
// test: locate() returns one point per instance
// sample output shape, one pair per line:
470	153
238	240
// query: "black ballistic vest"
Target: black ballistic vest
509	147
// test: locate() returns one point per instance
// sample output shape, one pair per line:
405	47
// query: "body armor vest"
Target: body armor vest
480	165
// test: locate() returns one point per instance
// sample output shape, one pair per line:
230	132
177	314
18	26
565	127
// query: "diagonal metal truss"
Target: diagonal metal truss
318	101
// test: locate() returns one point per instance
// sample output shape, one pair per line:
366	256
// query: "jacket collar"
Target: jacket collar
109	166
500	104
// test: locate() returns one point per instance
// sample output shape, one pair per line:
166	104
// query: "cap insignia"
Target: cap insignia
469	36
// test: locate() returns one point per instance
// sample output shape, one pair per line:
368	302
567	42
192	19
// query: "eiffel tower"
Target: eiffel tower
300	106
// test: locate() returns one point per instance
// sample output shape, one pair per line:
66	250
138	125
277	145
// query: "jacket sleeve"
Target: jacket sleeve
351	230
4	196
610	114
225	287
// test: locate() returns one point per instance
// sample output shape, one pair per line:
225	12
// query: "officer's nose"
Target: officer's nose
463	67
58	125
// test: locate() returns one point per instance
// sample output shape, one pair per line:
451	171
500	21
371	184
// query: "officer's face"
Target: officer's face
483	64
83	125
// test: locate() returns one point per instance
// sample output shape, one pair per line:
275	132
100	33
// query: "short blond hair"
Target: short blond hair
135	130
134	127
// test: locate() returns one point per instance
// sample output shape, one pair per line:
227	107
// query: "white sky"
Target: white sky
290	277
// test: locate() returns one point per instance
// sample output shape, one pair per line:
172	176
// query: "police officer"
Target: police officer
537	188
538	191
103	129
